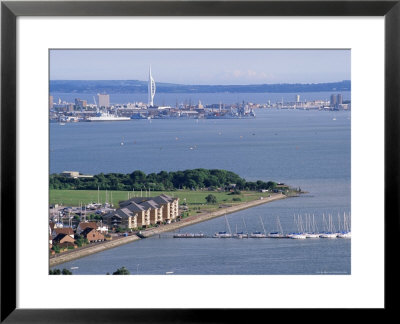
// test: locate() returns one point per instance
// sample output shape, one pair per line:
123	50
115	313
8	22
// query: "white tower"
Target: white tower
151	89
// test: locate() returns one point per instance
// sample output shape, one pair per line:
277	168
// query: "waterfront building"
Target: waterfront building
151	91
145	211
333	101
62	238
92	235
84	225
103	100
121	218
75	174
339	99
138	212
62	230
80	104
51	103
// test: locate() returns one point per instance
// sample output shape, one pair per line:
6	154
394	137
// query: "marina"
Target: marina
344	233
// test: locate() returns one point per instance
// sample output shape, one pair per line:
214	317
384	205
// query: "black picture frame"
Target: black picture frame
10	10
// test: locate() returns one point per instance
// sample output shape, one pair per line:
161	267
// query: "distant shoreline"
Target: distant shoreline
140	87
191	220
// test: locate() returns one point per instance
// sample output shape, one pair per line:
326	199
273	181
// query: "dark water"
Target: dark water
302	148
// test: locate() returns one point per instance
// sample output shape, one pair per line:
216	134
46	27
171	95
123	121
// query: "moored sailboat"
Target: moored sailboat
279	232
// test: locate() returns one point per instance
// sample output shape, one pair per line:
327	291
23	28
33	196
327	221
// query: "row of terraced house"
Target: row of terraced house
141	212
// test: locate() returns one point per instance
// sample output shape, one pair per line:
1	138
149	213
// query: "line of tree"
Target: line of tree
138	180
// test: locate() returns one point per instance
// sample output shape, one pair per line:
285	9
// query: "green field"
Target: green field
196	200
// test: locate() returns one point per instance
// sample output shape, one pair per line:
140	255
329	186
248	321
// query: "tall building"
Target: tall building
339	99
80	104
151	89
103	100
51	103
297	98
333	101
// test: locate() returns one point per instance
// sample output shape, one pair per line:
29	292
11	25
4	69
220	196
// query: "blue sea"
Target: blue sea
306	149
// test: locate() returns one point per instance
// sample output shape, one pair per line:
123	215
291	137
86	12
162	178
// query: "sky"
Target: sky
209	67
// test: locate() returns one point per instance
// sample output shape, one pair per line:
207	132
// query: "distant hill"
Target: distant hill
136	86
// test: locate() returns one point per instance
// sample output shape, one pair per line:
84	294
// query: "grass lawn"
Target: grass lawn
196	200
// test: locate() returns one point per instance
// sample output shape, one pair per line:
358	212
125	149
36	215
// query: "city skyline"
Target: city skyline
213	67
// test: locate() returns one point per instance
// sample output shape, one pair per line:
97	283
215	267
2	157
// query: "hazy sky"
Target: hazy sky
203	66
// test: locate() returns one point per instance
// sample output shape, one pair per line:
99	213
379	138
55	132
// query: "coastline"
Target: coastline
202	217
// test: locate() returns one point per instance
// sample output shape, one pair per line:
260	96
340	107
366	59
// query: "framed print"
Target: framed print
181	127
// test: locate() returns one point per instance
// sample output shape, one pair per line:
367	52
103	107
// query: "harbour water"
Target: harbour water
307	149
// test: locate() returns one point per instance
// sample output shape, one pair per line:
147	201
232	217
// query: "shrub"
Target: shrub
211	199
122	271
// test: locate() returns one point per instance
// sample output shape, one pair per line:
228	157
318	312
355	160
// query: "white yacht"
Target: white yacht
344	235
279	232
224	234
107	117
297	236
328	235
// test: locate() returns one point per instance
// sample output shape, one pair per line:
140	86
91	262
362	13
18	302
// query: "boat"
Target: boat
275	235
311	228
106	117
240	235
259	234
328	235
279	233
346	233
329	232
224	234
312	235
297	236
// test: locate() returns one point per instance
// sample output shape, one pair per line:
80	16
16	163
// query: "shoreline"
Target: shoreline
191	220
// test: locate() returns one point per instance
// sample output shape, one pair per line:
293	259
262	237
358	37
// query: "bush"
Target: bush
236	199
59	272
211	199
122	271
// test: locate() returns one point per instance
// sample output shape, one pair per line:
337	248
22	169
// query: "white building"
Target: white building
151	89
103	100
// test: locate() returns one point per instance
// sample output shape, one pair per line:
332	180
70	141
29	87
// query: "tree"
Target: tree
122	271
59	272
55	272
211	199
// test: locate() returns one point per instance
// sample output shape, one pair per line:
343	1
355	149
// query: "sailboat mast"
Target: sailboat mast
227	223
262	223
